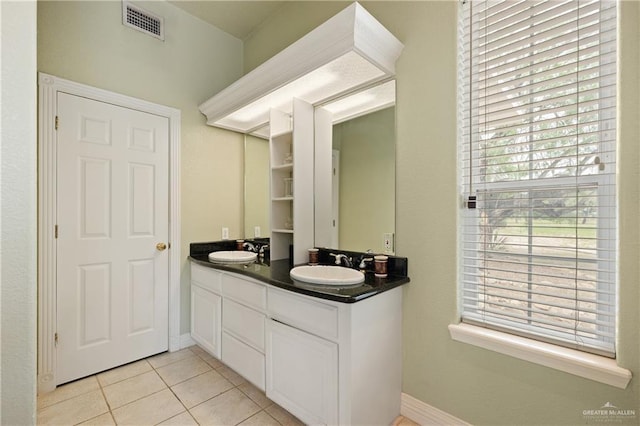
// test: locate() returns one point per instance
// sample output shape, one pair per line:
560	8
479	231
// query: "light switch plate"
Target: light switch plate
225	233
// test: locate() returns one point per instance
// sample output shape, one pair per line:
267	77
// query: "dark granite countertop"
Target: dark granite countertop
276	273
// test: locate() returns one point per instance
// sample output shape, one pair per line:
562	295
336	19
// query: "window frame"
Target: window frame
606	241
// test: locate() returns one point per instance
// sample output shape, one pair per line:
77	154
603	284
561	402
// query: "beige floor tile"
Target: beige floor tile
201	388
68	391
183	419
230	408
118	374
212	361
167	358
198	350
260	419
231	375
149	410
255	394
75	410
183	370
129	390
283	416
105	419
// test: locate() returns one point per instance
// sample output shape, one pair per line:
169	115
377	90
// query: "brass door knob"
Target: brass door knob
161	246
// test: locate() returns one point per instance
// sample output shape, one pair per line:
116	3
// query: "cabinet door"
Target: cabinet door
206	316
302	373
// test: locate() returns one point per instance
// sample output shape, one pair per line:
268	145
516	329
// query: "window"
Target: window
537	155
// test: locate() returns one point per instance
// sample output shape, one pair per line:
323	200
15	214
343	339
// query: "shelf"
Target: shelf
279	135
283	167
282	199
283	231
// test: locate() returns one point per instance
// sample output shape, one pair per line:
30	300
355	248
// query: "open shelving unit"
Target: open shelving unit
291	170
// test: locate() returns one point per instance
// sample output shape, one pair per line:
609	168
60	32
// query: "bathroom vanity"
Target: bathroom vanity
328	355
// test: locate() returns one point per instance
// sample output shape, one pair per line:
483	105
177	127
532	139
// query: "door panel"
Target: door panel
141	199
302	373
93	300
113	198
141	295
95	191
206	319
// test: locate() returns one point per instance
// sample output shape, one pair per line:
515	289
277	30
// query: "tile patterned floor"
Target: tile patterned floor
188	387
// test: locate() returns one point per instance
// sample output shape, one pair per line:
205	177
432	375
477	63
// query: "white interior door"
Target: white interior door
112	212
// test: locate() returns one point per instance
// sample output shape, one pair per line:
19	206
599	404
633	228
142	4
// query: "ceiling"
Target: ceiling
238	18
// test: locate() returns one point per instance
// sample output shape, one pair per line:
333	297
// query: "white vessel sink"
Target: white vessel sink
232	256
327	275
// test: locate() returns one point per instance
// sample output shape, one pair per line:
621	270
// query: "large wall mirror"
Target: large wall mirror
356	210
364	153
355	182
256	187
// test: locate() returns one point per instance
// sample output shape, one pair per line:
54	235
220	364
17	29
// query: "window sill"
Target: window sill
589	366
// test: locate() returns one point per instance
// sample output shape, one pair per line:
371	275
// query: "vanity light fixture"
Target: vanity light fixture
364	102
350	51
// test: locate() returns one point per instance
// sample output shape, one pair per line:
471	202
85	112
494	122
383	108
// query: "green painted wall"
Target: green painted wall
473	384
18	210
85	41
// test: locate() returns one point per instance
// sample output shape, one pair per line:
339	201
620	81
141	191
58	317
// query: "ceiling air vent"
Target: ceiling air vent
139	19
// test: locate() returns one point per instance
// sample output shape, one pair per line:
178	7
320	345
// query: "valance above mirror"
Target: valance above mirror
348	52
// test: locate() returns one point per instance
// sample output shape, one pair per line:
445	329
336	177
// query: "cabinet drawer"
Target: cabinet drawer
304	313
245	360
207	278
244	323
246	292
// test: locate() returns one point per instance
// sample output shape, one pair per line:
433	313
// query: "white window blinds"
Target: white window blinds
537	156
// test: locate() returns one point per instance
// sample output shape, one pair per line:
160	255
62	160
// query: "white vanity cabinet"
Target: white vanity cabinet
335	363
227	319
326	362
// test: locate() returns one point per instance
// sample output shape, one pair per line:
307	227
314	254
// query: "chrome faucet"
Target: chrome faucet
250	246
342	259
363	262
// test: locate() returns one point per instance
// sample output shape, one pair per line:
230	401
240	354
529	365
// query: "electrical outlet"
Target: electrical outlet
225	233
256	232
387	242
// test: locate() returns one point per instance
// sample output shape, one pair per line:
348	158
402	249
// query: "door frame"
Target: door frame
48	88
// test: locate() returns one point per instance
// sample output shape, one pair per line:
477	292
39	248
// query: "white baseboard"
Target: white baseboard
425	414
186	341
